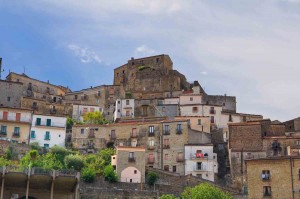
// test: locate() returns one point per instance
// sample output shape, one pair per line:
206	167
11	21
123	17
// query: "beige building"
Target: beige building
130	164
276	177
15	124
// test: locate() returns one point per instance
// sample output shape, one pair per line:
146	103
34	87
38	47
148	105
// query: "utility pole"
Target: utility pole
1	67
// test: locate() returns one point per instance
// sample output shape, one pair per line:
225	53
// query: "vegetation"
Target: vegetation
4	162
88	175
140	68
70	122
205	191
168	196
94	118
128	95
151	178
109	174
74	162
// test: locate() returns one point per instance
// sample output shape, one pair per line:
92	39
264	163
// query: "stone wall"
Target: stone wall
11	93
227	102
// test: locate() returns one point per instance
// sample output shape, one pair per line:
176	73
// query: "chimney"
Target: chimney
48	81
91	86
0	67
132	58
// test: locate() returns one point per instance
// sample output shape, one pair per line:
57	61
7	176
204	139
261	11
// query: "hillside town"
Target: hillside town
154	121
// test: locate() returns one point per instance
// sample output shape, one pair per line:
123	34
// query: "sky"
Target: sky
247	49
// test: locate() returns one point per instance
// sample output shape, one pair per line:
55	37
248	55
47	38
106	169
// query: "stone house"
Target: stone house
124	109
293	125
11	93
48	130
276	177
130	164
15	124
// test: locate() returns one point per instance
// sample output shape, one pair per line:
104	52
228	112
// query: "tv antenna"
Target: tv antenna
1	67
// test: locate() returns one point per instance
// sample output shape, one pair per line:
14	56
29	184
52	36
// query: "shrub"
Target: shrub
151	178
88	175
168	196
74	162
59	152
110	174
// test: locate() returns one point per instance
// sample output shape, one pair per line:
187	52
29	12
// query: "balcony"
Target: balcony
131	159
91	135
150	134
212	111
179	131
16	134
166	146
166	132
16	169
14	119
198	156
66	173
151	147
151	161
3	133
133	135
52	124
200	168
47	138
41	171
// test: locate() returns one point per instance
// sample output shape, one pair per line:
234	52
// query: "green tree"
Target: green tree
70	122
35	146
4	162
205	191
74	162
110	174
50	161
168	196
151	178
94	118
106	154
60	153
88	175
31	159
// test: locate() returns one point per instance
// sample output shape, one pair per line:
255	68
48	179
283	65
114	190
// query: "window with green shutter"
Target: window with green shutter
47	135
38	121
3	130
32	134
48	122
46	146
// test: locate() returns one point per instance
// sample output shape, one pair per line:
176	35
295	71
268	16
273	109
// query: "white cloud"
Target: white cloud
86	55
203	73
144	50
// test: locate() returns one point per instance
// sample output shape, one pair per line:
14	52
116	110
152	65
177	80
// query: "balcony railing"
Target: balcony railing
151	147
150	134
4	133
13	118
16	169
66	173
151	160
52	124
198	168
133	135
198	156
179	131
16	134
166	132
212	111
180	159
166	146
47	137
131	159
41	171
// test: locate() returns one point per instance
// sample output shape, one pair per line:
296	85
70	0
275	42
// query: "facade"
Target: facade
124	109
293	125
276	178
200	160
130	164
48	130
79	111
11	93
15	124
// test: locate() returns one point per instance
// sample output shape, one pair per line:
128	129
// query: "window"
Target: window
150	158
166	167
3	130
127	113
166	156
212	110
76	97
212	119
199	166
298	142
5	115
46	146
85	110
191	98
180	157
16	132
230	118
47	135
92	109
133	133
151	129
18	117
131	157
135	171
48	122
199	121
127	102
195	109
179	127
166	143
32	134
98	93
38	122
265	175
119	102
151	143
166	130
157	60
8	99
112	134
82	131
267	190
174	169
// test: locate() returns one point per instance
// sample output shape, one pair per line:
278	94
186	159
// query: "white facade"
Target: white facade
124	108
200	160
48	130
14	114
190	99
80	110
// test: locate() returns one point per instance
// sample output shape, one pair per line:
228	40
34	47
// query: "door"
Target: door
48	122
38	121
5	114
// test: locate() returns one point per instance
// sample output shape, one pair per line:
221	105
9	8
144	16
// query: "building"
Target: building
11	93
201	161
15	124
130	164
276	177
48	130
124	109
79	110
293	125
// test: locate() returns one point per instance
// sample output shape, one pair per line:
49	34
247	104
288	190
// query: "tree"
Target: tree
60	153
168	196
88	175
205	191
4	162
106	154
74	162
70	122
94	118
35	146
151	178
110	174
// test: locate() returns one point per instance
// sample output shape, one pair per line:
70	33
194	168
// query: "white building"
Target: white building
48	130
124	109
79	110
201	161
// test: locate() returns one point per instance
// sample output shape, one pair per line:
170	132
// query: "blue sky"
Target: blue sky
249	49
